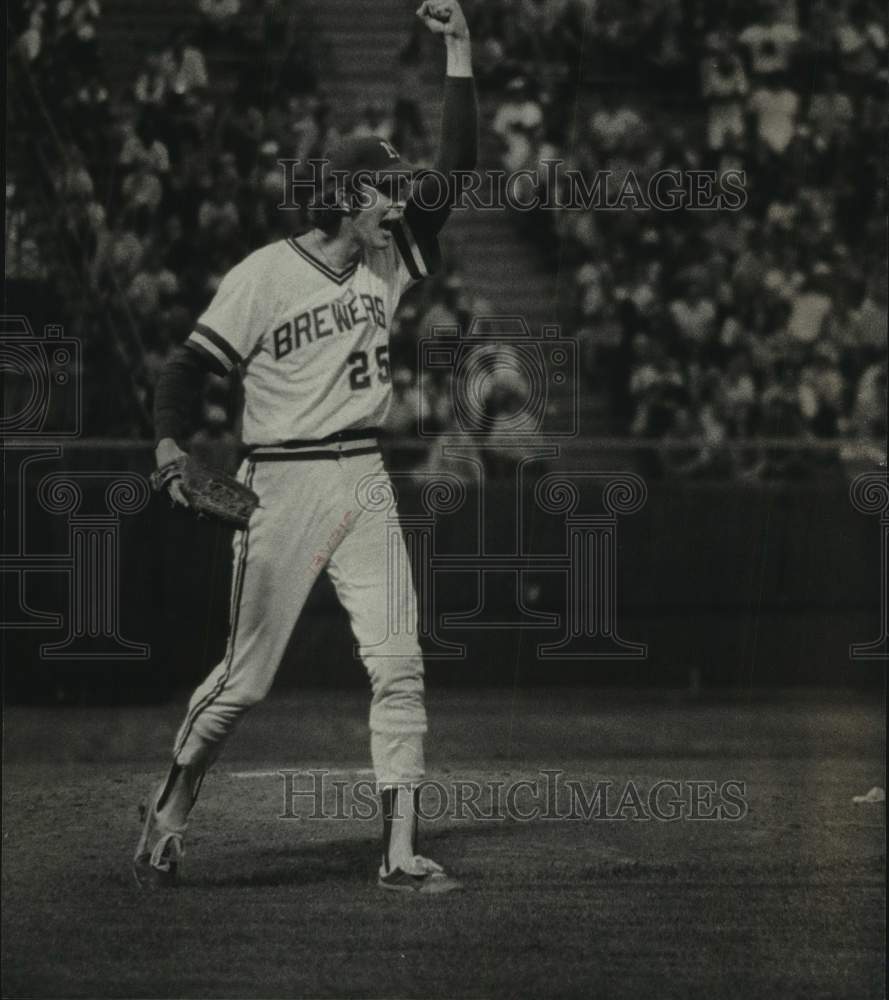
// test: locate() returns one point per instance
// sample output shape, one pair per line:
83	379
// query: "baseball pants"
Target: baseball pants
312	517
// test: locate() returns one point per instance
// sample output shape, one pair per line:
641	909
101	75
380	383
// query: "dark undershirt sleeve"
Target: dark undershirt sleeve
458	145
181	381
458	150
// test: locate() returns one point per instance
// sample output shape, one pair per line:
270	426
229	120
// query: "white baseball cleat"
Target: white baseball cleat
159	852
424	876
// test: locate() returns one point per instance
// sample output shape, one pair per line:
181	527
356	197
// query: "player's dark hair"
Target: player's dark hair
328	220
327	212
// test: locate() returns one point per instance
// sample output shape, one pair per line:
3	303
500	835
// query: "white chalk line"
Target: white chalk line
333	772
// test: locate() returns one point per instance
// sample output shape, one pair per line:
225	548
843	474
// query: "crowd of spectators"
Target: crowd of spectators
152	243
706	326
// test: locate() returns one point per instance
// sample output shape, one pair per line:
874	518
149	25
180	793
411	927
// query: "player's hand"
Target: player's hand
168	451
444	17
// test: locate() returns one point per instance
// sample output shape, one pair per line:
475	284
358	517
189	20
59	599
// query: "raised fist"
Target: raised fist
444	17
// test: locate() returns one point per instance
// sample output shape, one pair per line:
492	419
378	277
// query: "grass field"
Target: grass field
786	902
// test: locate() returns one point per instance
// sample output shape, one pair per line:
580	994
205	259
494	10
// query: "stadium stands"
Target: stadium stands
713	325
134	192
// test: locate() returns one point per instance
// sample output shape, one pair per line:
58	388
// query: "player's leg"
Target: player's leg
274	570
236	681
372	575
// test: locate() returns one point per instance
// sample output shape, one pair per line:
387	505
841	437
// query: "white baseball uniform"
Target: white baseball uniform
313	347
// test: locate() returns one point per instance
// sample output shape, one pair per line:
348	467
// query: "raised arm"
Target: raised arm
458	143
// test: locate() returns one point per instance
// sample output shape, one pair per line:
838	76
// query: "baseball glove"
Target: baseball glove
209	492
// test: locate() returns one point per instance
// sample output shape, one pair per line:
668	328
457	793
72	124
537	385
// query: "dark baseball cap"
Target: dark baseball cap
375	161
367	153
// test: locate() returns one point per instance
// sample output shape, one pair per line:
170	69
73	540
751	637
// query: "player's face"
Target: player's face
381	209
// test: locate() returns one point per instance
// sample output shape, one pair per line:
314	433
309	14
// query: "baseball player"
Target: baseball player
307	320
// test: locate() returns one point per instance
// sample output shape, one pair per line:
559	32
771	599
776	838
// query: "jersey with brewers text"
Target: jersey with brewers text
312	342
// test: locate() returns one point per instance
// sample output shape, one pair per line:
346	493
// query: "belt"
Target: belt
344	444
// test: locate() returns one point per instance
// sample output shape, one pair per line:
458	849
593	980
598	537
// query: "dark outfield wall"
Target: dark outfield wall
738	585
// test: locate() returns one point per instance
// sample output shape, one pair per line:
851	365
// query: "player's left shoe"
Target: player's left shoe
159	852
423	876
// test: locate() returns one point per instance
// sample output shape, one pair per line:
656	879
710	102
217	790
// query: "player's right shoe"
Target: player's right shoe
425	877
159	852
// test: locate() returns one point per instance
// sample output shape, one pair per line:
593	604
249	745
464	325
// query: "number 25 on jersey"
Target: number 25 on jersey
359	376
